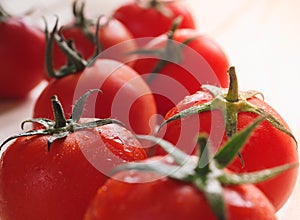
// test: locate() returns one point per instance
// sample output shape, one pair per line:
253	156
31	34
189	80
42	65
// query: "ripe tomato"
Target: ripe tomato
112	34
125	95
270	145
57	182
147	195
151	18
22	48
192	60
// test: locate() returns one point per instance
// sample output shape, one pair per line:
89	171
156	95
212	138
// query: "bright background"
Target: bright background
260	37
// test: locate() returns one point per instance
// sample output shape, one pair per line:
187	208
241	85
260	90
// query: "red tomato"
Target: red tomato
201	61
267	147
147	195
125	96
22	48
58	184
151	18
114	38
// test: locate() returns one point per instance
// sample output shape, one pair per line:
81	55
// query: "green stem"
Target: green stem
233	92
60	119
231	119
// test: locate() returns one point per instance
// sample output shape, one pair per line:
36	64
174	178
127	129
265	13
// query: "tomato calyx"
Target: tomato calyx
206	172
75	62
81	21
159	6
231	102
85	24
61	127
170	53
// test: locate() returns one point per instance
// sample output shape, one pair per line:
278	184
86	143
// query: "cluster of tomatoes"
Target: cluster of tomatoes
116	79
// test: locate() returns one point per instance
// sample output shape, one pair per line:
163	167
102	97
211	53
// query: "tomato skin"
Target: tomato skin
37	184
114	38
204	62
145	195
125	96
267	147
22	48
150	22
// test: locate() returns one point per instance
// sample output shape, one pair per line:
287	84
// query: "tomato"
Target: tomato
272	143
192	60
151	18
57	182
111	34
125	96
22	48
134	194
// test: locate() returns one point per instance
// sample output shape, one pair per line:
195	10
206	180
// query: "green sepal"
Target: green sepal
227	102
55	137
230	149
23	134
213	192
61	127
159	6
254	177
79	105
172	52
179	156
75	62
270	118
188	112
45	122
182	172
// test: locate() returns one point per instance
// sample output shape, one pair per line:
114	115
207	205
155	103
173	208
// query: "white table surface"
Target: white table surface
261	39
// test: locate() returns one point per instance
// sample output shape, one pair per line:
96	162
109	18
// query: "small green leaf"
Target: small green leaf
157	53
55	137
254	177
213	192
79	106
214	90
227	153
203	167
24	134
47	123
179	156
97	123
270	118
188	112
250	93
158	166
